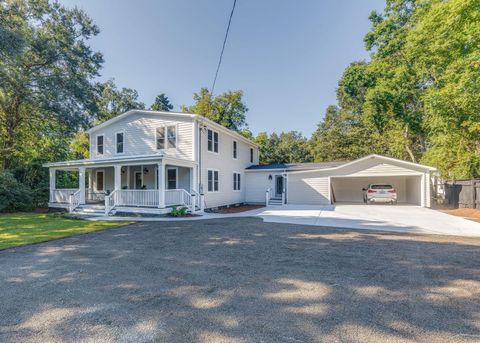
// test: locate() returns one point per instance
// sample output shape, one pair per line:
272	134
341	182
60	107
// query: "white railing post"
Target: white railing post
283	197
70	207
267	196
193	202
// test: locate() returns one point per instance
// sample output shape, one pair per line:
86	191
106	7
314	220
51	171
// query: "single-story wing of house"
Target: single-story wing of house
337	182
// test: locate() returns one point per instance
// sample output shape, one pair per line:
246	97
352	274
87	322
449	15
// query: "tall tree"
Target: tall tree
109	102
46	72
161	103
227	109
287	147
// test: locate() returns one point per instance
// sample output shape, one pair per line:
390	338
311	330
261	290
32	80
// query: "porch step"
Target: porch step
275	201
90	210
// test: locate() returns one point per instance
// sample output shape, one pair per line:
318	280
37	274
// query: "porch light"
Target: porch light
145	170
270	177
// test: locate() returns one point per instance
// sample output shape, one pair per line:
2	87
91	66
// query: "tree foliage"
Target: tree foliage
227	109
286	147
161	103
46	73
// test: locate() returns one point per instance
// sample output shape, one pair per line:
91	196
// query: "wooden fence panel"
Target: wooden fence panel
462	194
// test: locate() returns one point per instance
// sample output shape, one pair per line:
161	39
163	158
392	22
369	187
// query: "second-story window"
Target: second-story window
172	136
160	138
166	137
100	145
235	149
212	140
119	142
251	155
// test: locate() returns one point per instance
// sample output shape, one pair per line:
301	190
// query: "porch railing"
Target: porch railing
74	201
63	195
177	197
149	198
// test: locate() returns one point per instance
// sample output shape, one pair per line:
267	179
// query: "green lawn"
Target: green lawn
26	228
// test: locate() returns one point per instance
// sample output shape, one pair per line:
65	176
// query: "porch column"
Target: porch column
161	184
81	184
193	179
52	174
422	194
117	178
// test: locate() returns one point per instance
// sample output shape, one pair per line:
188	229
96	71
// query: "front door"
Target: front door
100	184
278	186
138	180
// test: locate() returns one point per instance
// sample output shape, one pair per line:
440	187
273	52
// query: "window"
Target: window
251	155
171	178
236	181
213	180
235	149
172	136
160	138
119	142
168	141
212	140
100	145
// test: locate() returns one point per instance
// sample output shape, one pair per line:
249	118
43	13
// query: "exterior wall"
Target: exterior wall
256	185
308	189
414	190
139	136
224	162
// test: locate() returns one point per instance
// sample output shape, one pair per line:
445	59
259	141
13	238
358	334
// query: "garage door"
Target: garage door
349	189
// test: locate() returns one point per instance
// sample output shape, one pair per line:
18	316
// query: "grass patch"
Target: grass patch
27	228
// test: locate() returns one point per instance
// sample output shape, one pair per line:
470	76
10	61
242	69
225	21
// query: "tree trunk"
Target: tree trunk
12	121
407	146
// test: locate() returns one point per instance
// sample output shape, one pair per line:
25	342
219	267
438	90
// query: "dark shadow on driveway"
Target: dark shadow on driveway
242	280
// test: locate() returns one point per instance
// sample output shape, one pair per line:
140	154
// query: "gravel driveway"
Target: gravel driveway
242	280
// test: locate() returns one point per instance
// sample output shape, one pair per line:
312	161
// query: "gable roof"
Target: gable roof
192	116
308	167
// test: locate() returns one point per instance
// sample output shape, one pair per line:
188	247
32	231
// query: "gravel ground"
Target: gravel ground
241	280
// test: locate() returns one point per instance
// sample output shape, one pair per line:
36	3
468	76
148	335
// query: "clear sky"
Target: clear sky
286	55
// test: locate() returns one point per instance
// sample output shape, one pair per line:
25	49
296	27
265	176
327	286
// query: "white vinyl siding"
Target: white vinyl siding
256	185
307	189
226	165
140	136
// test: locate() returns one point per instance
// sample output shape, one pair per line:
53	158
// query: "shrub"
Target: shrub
178	212
14	196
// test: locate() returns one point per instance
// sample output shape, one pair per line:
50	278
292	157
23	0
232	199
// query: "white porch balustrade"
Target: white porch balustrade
62	195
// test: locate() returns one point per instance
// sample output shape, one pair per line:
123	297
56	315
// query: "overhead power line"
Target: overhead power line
223	47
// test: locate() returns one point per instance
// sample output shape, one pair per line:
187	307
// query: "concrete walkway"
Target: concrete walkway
400	218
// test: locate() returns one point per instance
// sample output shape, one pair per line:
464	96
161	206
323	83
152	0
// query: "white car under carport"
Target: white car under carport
339	182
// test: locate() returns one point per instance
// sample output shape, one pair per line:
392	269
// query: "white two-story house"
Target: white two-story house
148	161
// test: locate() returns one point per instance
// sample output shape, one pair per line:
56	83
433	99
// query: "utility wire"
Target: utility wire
223	47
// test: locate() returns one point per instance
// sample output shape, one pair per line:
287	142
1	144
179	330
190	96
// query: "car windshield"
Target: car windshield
381	186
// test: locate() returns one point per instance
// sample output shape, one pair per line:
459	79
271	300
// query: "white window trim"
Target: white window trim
233	185
213	180
116	152
176	176
96	180
96	145
213	142
233	150
165	126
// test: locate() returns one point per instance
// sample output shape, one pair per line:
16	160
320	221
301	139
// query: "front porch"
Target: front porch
129	187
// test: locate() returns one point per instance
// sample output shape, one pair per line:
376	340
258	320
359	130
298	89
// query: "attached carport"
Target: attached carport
344	183
348	189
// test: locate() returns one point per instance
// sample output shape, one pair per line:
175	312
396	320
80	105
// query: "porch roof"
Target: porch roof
125	160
